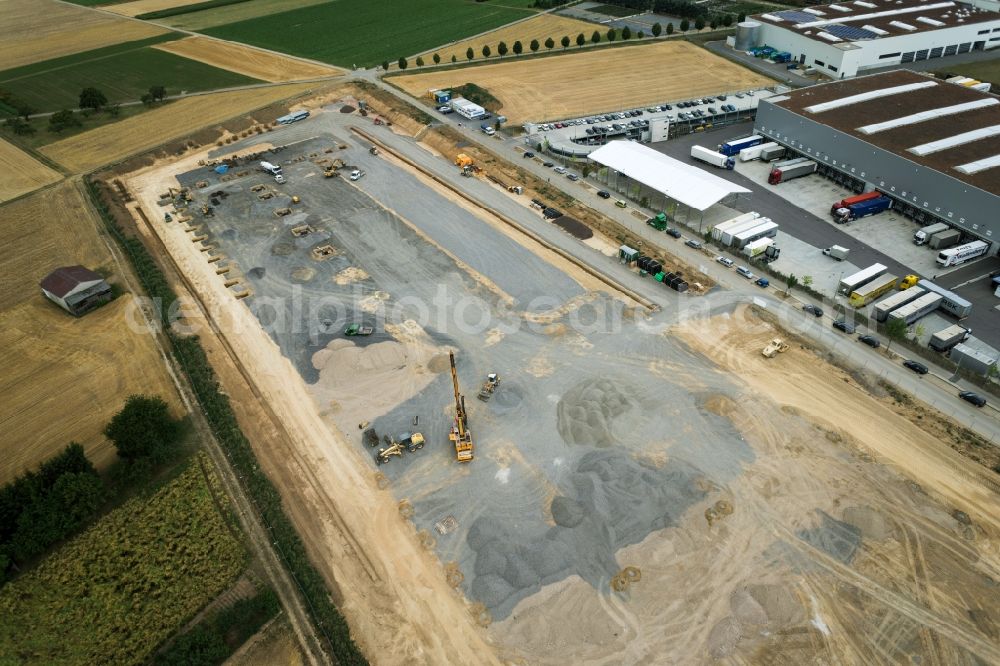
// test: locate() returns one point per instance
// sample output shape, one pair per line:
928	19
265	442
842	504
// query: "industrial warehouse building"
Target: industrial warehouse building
846	38
931	146
76	289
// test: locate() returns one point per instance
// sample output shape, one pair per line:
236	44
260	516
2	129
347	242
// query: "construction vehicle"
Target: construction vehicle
775	346
207	211
373	150
357	329
329	172
460	435
167	218
489	386
908	281
462	160
408	442
295	199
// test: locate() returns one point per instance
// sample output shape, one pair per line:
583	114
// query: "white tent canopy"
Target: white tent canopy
681	182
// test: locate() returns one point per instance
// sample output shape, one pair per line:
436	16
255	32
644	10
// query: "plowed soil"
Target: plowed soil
246	60
595	80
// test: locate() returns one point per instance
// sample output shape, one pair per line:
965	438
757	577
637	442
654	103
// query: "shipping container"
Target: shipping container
858	198
786	173
914	310
733	147
962	253
889	303
972	359
953	304
766	229
947	338
718	229
772	153
851	283
880	286
921	236
945	239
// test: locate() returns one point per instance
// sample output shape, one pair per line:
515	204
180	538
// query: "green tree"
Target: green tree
158	93
626	33
549	43
420	61
487	51
581	40
714	23
518	47
657	30
502	49
144	429
612	35
402	63
685	25
454	58
670	28
790	282
92	98
72	500
385	65
199	647
596	37
895	329
741	18
699	23
533	45
469	53
437	59
919	331
565	41
807	280
19	126
727	20
146	99
24	110
62	120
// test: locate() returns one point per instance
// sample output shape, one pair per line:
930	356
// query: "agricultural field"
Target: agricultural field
64	377
364	33
116	592
117	141
242	11
35	30
123	75
590	81
22	172
137	7
247	60
540	27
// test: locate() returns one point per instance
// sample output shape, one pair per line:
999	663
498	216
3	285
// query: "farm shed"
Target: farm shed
76	289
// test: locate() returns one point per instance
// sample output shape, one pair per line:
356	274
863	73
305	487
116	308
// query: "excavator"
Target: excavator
460	434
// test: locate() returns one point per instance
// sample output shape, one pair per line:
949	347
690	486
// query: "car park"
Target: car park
763	283
974	398
813	310
673	232
725	261
843	325
916	366
528	154
693	243
869	340
604	194
745	272
712	110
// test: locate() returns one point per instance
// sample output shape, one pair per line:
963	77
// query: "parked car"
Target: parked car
916	366
445	109
560	169
621	204
844	325
974	398
573	177
693	243
548	165
745	272
813	310
869	340
604	194
763	283
673	232
279	179
725	261
528	155
357	174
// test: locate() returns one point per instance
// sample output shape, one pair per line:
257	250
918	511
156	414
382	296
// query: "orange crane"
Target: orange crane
460	434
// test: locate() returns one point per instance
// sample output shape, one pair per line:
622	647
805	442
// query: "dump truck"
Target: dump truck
922	235
358	329
785	171
837	252
947	338
711	157
775	346
862	209
489	386
463	160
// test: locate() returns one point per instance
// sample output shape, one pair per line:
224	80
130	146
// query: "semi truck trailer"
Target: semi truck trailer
921	236
730	148
899	299
852	283
785	171
721	227
914	310
963	253
947	338
953	304
769	152
858	198
754	152
945	239
862	209
711	157
881	285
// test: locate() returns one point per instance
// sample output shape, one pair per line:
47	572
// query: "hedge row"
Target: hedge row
187	9
191	356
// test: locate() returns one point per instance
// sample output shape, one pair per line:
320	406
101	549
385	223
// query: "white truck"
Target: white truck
963	253
838	252
711	157
272	169
921	236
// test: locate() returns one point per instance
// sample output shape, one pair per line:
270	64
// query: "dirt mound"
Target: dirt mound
347	108
439	364
723	638
746	609
574	227
587	413
870	521
781	606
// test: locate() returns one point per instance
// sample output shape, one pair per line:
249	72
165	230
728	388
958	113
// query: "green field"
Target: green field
211	18
122	72
364	33
116	592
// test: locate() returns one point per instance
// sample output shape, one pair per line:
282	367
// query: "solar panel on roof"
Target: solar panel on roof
798	17
850	32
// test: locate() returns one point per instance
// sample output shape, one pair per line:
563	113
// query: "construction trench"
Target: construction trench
623	495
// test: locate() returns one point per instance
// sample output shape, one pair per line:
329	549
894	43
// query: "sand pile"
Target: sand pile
870	521
587	412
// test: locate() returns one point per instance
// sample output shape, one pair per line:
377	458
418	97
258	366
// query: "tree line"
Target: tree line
42	507
92	100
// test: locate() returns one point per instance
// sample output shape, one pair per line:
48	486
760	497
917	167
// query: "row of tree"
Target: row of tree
42	507
724	20
92	100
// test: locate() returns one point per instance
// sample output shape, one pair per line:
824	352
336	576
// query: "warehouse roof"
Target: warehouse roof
940	125
678	180
843	23
66	279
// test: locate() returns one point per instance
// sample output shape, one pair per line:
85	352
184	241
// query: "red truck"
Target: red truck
844	203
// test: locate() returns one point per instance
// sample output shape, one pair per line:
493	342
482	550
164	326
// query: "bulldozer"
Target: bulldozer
460	435
489	386
775	346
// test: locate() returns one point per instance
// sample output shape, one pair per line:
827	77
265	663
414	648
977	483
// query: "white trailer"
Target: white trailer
711	157
963	253
914	310
718	229
467	109
851	283
766	229
754	152
729	235
953	304
899	299
921	236
947	338
757	247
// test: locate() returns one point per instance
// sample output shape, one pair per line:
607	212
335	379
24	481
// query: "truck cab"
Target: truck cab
908	281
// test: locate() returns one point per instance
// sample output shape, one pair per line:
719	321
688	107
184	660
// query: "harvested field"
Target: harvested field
246	60
110	143
595	80
34	30
22	172
64	377
540	27
241	11
143	6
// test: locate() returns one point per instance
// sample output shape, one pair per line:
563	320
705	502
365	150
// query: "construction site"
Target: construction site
500	454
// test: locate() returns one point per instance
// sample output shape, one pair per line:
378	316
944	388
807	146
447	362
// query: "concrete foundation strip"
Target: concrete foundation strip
614	284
